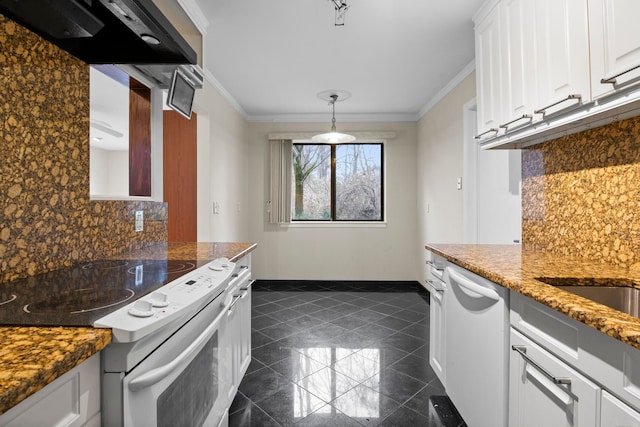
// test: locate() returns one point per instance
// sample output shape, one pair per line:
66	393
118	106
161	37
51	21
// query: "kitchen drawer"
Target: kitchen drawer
545	391
607	361
71	400
554	331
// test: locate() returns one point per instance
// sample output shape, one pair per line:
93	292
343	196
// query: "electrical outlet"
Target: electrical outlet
139	221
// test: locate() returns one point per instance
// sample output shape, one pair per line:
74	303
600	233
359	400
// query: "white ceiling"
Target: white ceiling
272	58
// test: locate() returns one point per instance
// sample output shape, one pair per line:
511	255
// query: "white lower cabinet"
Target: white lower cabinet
615	413
603	373
437	354
72	400
244	312
544	391
239	324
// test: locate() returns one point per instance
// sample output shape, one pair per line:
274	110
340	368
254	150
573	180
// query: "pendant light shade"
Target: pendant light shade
333	137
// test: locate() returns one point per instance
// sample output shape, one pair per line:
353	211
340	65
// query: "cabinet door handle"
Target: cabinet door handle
246	288
613	79
568	98
522	117
480	135
234	301
522	350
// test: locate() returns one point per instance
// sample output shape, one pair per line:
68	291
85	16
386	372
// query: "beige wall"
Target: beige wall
439	160
342	253
222	168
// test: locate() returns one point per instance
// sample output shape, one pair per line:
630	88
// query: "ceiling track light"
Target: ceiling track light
341	9
333	137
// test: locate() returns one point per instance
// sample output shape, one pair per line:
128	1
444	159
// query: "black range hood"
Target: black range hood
104	31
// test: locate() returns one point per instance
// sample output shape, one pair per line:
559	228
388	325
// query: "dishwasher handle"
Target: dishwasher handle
473	286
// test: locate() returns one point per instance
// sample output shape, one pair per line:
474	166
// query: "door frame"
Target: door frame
469	172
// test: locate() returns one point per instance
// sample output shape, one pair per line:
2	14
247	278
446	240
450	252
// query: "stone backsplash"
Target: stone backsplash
581	194
47	220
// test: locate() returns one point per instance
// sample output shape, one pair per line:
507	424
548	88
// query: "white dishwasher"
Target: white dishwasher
476	342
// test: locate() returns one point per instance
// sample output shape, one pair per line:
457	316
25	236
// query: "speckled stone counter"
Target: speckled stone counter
191	251
32	357
516	267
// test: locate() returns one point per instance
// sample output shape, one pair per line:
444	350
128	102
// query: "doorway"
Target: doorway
492	211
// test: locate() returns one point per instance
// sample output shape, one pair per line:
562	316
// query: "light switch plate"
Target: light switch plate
139	221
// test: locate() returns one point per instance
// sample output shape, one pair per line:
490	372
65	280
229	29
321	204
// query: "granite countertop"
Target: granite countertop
32	357
516	267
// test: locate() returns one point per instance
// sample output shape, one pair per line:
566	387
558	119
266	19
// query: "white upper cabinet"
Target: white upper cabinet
520	66
489	70
548	68
615	44
563	54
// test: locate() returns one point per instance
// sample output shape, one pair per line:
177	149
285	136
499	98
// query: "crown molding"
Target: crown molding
224	93
196	15
340	118
453	83
360	136
343	117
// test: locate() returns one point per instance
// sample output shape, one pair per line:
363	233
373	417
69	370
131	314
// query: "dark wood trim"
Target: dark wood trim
180	175
139	139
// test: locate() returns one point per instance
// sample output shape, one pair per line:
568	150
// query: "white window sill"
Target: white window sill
335	224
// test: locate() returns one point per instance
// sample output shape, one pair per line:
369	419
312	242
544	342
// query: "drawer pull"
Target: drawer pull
613	79
432	264
522	350
522	117
568	98
480	135
435	287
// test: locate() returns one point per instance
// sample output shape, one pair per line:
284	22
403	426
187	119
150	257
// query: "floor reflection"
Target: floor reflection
341	355
327	384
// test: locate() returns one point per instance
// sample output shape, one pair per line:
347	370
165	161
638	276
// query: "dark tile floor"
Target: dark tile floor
341	354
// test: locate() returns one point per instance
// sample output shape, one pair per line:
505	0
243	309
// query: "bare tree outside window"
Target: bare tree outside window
359	182
338	183
311	182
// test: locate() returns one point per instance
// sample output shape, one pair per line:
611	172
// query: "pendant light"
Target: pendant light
333	137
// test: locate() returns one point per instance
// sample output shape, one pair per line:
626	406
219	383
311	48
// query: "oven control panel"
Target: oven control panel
181	297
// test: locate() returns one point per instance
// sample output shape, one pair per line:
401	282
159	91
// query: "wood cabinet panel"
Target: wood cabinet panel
180	176
139	139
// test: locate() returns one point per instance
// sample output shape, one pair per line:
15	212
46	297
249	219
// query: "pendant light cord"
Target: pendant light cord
334	98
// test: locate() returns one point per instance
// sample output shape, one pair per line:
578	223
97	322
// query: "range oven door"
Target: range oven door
184	381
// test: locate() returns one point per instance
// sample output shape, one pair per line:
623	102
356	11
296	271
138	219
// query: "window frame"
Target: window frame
332	219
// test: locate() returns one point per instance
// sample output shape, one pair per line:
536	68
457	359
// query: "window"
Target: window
337	182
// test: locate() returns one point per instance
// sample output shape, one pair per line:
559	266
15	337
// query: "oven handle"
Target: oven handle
155	375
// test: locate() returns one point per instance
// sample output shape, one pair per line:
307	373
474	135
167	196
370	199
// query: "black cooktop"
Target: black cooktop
79	295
